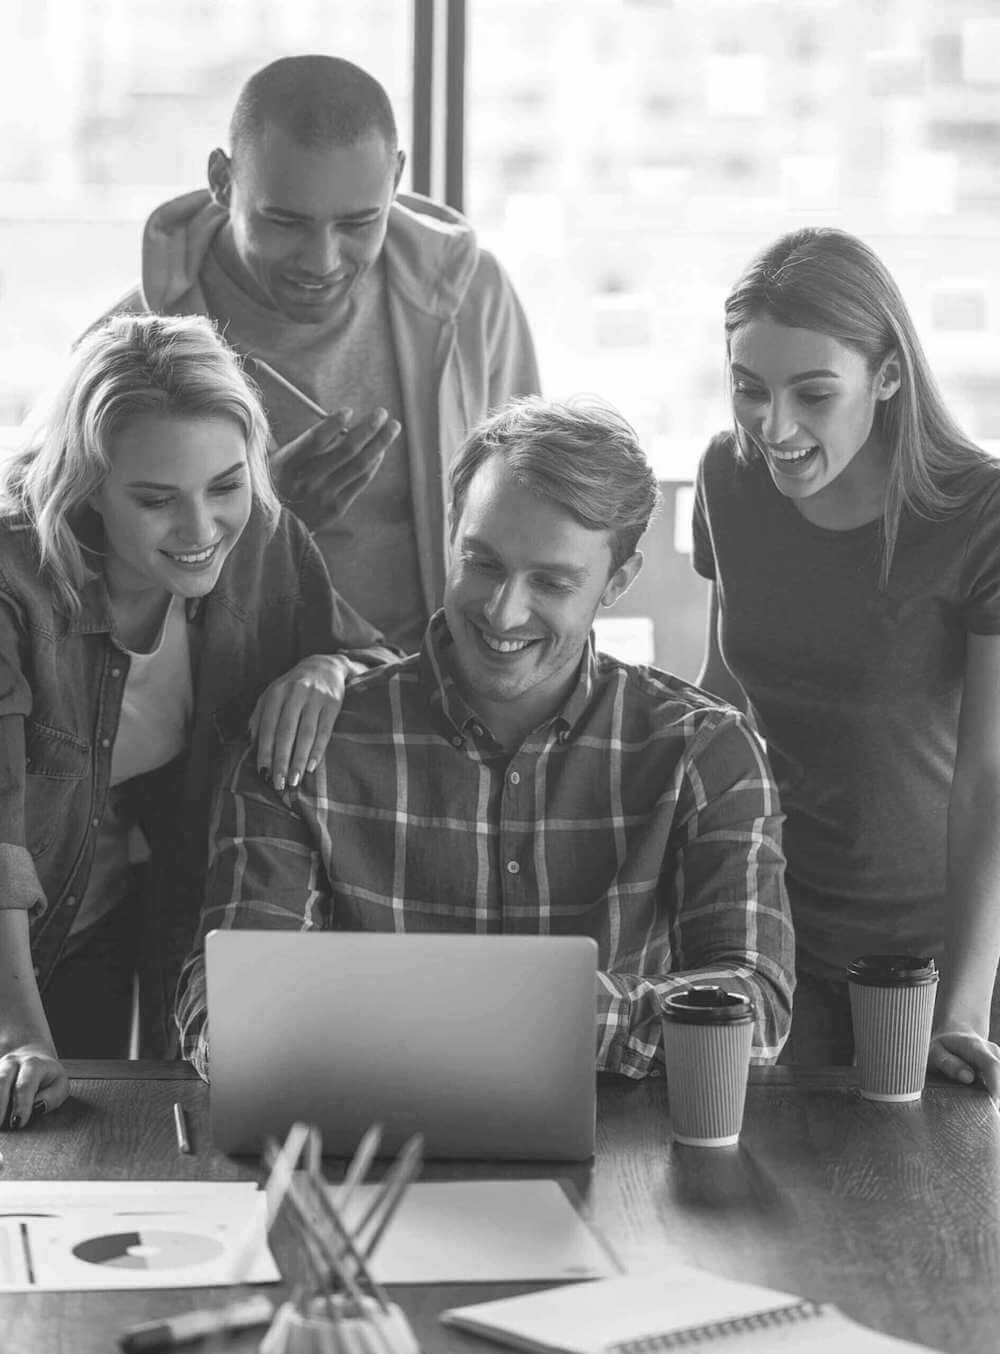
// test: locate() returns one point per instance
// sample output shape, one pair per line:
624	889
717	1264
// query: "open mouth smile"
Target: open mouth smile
497	645
193	559
791	458
313	287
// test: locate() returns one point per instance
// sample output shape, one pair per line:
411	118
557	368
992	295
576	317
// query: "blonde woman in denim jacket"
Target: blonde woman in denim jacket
154	599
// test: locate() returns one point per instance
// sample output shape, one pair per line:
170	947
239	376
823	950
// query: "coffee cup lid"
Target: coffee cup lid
705	1004
892	970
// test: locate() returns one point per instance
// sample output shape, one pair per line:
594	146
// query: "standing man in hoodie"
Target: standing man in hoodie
372	322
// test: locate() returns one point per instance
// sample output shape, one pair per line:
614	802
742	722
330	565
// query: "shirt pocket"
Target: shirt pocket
55	762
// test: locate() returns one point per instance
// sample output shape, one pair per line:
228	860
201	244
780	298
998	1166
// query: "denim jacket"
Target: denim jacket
61	683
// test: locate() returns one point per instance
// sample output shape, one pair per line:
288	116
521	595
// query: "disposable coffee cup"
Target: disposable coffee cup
707	1034
892	1007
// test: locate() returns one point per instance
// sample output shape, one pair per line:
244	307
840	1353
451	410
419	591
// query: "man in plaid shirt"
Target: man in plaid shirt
508	778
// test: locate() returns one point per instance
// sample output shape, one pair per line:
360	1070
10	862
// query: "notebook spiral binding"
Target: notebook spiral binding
717	1330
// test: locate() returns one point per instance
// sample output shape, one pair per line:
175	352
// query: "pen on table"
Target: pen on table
181	1129
285	384
188	1326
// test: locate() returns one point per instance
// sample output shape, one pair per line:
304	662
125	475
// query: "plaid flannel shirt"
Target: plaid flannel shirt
643	814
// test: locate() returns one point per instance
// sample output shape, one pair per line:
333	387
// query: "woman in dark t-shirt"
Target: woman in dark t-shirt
852	536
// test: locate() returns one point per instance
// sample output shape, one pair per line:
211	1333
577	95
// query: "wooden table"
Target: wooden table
891	1212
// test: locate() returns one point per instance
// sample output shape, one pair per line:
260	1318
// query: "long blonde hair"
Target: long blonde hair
831	282
131	365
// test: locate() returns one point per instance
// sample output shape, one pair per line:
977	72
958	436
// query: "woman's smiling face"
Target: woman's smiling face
174	504
807	403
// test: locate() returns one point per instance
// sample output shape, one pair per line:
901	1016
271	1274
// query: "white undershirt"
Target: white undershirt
154	726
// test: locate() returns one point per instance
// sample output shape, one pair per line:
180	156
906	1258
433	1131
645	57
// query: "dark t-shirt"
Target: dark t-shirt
857	691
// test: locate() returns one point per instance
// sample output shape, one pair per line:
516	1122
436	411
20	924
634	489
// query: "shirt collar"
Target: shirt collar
458	717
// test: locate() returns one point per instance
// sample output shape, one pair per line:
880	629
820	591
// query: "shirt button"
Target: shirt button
513	867
515	778
457	741
116	672
95	822
71	900
105	742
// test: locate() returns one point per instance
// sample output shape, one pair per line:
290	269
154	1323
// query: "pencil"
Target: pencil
180	1128
286	384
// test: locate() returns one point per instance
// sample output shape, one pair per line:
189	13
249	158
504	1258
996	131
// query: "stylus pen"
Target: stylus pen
189	1326
286	384
181	1129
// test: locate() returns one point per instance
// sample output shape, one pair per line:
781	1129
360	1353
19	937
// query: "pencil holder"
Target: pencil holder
323	1252
339	1325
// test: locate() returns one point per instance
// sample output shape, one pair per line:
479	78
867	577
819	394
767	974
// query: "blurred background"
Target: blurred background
624	158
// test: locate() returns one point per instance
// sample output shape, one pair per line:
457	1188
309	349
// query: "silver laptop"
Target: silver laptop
483	1043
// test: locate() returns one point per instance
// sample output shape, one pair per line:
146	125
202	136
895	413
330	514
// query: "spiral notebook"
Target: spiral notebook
676	1307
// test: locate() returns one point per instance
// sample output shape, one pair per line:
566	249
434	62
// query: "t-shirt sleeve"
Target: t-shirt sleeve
702	553
981	576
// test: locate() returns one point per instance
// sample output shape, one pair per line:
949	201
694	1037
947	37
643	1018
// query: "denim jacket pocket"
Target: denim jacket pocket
230	723
55	762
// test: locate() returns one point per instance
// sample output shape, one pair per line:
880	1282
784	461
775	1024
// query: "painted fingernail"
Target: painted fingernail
15	1121
39	1107
264	772
279	783
311	765
379	417
294	779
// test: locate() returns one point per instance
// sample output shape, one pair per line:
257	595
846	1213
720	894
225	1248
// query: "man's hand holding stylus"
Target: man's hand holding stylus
321	472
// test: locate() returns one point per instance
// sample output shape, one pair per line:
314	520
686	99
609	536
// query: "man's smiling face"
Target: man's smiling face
306	222
524	584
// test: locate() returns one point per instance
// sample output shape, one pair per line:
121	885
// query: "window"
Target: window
108	109
705	130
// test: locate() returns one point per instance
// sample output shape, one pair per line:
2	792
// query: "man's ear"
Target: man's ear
220	177
621	580
400	166
889	378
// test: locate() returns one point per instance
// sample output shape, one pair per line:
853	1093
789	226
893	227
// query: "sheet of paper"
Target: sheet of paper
107	1235
147	1196
484	1231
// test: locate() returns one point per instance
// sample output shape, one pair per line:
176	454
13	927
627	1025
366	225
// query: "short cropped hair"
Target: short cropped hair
581	454
317	101
129	367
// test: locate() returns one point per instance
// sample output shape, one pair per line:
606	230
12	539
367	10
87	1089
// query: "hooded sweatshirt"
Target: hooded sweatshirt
459	337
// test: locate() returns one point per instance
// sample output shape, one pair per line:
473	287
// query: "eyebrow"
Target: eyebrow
575	572
153	484
792	380
363	214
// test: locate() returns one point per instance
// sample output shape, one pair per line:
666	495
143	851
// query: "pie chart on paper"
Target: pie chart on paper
149	1249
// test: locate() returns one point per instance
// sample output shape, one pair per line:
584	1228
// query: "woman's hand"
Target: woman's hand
32	1080
294	718
962	1054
